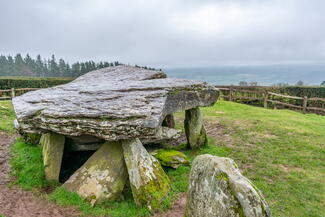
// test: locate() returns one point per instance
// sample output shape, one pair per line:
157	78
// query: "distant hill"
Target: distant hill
311	74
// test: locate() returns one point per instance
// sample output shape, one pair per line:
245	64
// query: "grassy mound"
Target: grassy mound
281	151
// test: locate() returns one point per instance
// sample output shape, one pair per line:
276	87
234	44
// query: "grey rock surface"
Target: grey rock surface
113	103
149	183
217	188
52	151
102	177
195	132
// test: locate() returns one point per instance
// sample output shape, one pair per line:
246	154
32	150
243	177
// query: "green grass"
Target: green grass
281	151
27	165
7	115
125	208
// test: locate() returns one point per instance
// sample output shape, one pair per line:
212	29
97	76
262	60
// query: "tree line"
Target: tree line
28	67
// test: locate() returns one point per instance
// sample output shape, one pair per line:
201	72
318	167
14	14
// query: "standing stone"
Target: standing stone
53	147
102	177
149	183
169	121
194	129
217	188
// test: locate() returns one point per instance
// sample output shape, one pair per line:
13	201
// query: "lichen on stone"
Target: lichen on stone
149	183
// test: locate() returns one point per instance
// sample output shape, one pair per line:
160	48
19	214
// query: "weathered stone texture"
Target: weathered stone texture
102	177
53	147
170	158
149	183
113	103
217	188
194	128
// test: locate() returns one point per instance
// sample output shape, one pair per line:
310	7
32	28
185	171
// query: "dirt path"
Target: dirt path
15	202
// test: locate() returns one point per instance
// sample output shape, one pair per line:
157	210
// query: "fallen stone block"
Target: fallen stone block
102	177
170	158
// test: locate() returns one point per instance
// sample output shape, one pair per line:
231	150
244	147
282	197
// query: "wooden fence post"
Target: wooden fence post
13	92
266	96
305	100
230	93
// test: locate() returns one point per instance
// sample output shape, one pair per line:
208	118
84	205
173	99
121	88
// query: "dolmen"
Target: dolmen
114	111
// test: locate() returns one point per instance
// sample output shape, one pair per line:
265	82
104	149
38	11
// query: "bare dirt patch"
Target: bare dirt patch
15	202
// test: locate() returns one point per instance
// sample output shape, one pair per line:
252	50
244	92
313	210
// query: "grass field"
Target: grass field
281	151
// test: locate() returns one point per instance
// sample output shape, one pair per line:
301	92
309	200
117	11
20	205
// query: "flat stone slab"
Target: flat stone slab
113	103
102	177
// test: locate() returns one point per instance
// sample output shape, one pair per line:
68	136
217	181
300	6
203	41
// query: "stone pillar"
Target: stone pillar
169	121
102	177
194	129
149	183
53	147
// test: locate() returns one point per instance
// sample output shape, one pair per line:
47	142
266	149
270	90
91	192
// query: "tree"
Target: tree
28	66
243	83
253	83
323	83
300	83
280	84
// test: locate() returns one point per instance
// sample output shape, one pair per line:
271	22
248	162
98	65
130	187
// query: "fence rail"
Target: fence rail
270	99
11	93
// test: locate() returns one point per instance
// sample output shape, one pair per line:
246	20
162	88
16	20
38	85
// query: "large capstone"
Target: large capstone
149	183
102	177
113	103
194	128
53	146
217	188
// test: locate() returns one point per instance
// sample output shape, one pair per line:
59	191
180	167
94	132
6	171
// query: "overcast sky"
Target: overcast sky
166	33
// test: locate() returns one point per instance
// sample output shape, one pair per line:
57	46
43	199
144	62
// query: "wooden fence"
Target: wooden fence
269	99
11	93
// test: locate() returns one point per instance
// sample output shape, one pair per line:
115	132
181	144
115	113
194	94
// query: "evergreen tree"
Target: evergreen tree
19	66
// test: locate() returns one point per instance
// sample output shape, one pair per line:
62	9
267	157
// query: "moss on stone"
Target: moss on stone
155	191
223	176
171	158
32	138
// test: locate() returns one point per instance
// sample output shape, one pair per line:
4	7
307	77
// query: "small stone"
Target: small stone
102	177
149	183
170	158
53	147
217	188
194	129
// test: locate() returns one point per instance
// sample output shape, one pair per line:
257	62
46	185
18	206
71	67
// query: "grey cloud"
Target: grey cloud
165	33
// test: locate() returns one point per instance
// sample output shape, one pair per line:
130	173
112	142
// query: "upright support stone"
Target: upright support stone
169	121
53	147
194	129
102	177
149	183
